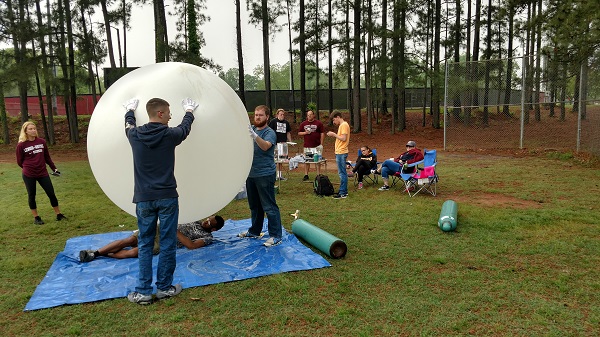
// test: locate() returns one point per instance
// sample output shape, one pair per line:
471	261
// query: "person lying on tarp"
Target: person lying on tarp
190	235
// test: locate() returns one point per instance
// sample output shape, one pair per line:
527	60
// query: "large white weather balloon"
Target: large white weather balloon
211	165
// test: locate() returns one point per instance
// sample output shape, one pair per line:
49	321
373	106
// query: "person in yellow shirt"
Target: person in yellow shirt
342	139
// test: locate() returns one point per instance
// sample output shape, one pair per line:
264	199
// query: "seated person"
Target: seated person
364	164
391	166
190	235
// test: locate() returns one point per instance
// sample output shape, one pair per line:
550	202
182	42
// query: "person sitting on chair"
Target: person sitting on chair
190	235
391	166
364	164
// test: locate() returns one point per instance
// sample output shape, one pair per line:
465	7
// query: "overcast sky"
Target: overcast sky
219	34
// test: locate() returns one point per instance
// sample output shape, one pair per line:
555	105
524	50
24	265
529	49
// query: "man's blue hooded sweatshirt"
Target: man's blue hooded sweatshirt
153	145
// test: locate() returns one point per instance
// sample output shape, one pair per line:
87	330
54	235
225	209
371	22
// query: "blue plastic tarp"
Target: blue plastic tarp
228	258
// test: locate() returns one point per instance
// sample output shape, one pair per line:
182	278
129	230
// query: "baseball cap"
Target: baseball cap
411	143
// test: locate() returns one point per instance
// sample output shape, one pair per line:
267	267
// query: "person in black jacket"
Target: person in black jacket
155	192
366	162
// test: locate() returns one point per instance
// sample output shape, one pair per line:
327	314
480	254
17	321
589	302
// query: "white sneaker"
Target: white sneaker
172	291
272	242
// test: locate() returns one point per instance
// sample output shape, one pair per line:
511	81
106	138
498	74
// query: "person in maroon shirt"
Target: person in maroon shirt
314	134
32	157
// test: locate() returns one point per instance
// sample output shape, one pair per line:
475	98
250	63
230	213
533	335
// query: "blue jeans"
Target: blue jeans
389	167
340	160
261	199
148	212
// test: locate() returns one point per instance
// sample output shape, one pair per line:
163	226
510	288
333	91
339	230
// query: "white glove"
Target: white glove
253	133
188	104
131	104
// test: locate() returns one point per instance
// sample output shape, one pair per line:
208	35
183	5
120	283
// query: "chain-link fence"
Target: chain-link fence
538	111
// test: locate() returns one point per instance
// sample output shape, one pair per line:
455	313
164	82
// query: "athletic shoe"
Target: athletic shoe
373	171
138	298
86	255
248	235
340	196
38	221
384	188
172	291
306	178
60	216
360	186
281	178
272	242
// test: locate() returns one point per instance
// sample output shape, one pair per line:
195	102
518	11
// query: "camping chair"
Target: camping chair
371	178
423	179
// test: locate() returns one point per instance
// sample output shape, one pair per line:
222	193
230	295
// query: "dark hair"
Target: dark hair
265	109
220	222
366	147
154	105
335	114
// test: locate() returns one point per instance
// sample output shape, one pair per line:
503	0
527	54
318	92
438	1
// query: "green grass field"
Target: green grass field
524	261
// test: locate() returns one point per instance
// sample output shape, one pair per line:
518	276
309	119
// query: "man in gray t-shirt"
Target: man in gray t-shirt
190	235
260	184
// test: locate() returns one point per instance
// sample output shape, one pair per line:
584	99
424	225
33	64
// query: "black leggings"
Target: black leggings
362	168
46	184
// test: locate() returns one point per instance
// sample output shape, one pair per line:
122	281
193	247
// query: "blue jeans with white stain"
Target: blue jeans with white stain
261	199
389	167
340	160
148	212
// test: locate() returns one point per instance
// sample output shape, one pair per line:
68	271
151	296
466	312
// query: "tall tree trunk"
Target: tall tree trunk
302	57
488	61
37	83
435	109
73	125
293	94
161	52
395	63
456	111
317	52
538	70
402	69
330	54
109	44
3	119
475	67
266	61
348	63
530	65
51	90
368	67
45	74
62	59
469	67
19	52
509	65
125	26
356	68
383	63
428	45
240	54
88	49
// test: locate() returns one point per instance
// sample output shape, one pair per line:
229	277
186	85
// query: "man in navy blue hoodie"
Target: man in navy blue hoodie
155	192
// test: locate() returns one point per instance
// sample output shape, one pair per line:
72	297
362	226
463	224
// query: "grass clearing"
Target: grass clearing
523	261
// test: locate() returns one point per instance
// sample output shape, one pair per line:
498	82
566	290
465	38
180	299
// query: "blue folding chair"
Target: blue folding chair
424	178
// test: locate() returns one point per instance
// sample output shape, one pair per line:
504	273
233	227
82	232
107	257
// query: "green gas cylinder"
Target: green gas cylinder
447	220
323	241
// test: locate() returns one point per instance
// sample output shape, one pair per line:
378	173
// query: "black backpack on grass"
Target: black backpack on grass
323	186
